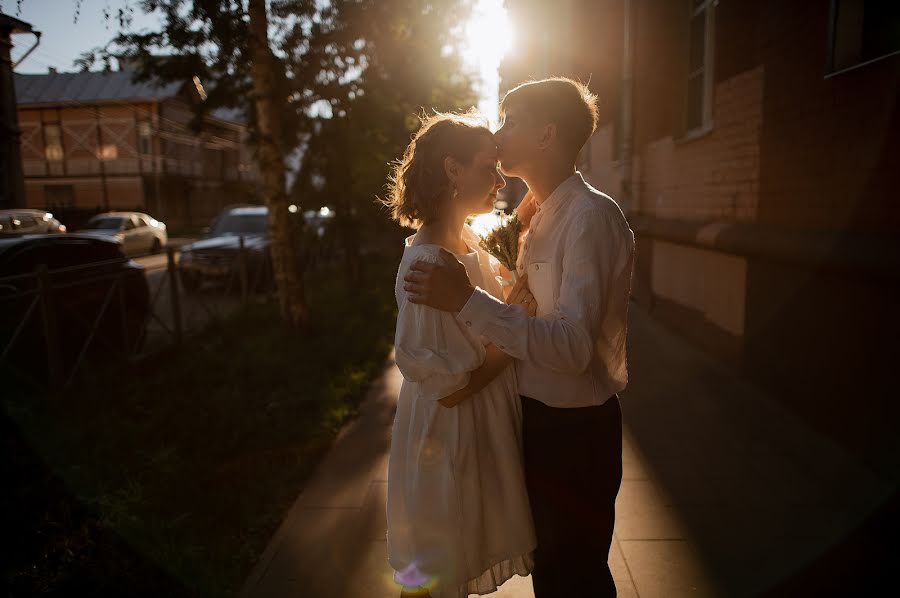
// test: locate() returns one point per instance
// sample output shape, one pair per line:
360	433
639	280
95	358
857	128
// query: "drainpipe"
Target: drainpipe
627	140
12	179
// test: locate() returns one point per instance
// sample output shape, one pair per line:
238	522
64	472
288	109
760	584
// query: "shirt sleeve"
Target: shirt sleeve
433	351
563	340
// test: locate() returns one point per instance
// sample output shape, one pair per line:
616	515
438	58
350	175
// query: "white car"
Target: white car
137	232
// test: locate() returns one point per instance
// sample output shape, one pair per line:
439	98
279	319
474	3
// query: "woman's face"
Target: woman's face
477	184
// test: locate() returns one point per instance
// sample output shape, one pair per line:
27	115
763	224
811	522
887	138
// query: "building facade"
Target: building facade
754	146
97	141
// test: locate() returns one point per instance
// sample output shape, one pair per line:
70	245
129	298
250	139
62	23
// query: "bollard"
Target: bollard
51	336
174	294
242	264
123	311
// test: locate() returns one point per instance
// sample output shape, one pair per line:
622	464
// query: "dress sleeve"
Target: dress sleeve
432	350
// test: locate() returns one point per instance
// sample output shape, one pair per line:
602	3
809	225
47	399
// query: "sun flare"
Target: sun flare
487	35
486	38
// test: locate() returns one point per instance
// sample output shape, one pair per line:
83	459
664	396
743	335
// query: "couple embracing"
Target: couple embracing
506	454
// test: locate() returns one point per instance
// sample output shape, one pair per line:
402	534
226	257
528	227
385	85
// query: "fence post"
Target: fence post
242	264
122	309
51	336
174	294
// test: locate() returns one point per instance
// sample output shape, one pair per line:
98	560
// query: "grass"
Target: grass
178	470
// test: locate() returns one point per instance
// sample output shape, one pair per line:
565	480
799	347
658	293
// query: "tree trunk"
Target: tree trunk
285	261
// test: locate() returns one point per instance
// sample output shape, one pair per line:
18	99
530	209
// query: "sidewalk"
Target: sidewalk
713	473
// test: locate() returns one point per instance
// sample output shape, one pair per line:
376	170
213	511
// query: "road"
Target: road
152	263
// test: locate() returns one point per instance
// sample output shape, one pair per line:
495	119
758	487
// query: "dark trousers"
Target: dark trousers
573	469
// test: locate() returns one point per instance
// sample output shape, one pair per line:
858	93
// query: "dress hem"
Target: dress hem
497	574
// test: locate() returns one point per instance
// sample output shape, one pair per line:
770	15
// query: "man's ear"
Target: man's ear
547	136
452	168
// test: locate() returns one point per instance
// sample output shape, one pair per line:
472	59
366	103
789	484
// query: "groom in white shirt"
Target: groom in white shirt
578	254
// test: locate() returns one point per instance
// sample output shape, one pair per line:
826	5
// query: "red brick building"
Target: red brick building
101	141
755	147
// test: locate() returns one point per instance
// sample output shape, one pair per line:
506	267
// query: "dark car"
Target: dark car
94	293
24	221
216	257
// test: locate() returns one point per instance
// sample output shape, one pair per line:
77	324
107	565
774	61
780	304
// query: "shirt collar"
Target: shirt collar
562	192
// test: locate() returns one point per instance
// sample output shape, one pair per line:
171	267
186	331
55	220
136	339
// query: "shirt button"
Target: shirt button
469	324
537	267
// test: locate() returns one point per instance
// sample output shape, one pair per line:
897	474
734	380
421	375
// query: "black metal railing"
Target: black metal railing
48	335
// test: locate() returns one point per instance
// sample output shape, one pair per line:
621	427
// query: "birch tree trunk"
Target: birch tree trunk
285	258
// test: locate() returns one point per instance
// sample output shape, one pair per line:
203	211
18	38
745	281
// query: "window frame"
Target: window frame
830	69
54	151
707	72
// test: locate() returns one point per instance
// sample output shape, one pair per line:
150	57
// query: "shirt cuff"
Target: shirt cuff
479	311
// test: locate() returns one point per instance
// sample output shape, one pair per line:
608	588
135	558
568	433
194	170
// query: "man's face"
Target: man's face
517	143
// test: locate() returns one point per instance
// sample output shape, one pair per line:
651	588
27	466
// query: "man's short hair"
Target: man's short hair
567	103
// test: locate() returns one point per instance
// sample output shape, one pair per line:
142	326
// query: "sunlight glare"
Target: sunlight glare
482	224
487	36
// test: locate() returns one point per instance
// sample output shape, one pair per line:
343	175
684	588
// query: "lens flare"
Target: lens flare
415	582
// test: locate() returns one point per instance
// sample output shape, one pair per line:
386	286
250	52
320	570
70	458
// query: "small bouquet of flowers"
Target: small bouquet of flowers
503	242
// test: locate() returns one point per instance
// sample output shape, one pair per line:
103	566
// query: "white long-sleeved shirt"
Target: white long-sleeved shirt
579	255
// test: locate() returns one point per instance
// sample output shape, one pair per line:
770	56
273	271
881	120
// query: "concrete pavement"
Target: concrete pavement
723	493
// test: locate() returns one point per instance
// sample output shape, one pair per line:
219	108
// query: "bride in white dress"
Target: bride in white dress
459	522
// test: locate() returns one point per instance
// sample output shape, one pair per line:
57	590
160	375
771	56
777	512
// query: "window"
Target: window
53	149
144	134
862	31
108	151
698	116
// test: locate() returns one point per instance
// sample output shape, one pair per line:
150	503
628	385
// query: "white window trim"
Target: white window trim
706	117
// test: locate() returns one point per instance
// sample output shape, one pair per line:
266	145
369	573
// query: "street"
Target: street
153	263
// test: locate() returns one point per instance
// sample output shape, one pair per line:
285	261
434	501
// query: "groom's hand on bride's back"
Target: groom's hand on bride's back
442	286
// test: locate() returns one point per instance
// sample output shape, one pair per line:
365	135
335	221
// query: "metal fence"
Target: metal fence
57	324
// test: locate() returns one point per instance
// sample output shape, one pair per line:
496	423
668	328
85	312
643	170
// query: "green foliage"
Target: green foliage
375	62
409	69
194	458
353	75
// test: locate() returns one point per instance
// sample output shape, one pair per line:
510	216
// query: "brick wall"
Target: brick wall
831	145
602	171
713	177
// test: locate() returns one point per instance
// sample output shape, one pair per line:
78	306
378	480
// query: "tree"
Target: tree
405	47
341	79
227	46
288	277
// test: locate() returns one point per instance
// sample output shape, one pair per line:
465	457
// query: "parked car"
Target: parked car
27	221
137	232
214	258
81	272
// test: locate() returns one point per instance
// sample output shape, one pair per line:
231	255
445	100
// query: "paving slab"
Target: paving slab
332	542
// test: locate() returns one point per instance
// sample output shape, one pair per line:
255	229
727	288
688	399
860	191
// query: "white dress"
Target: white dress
458	516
